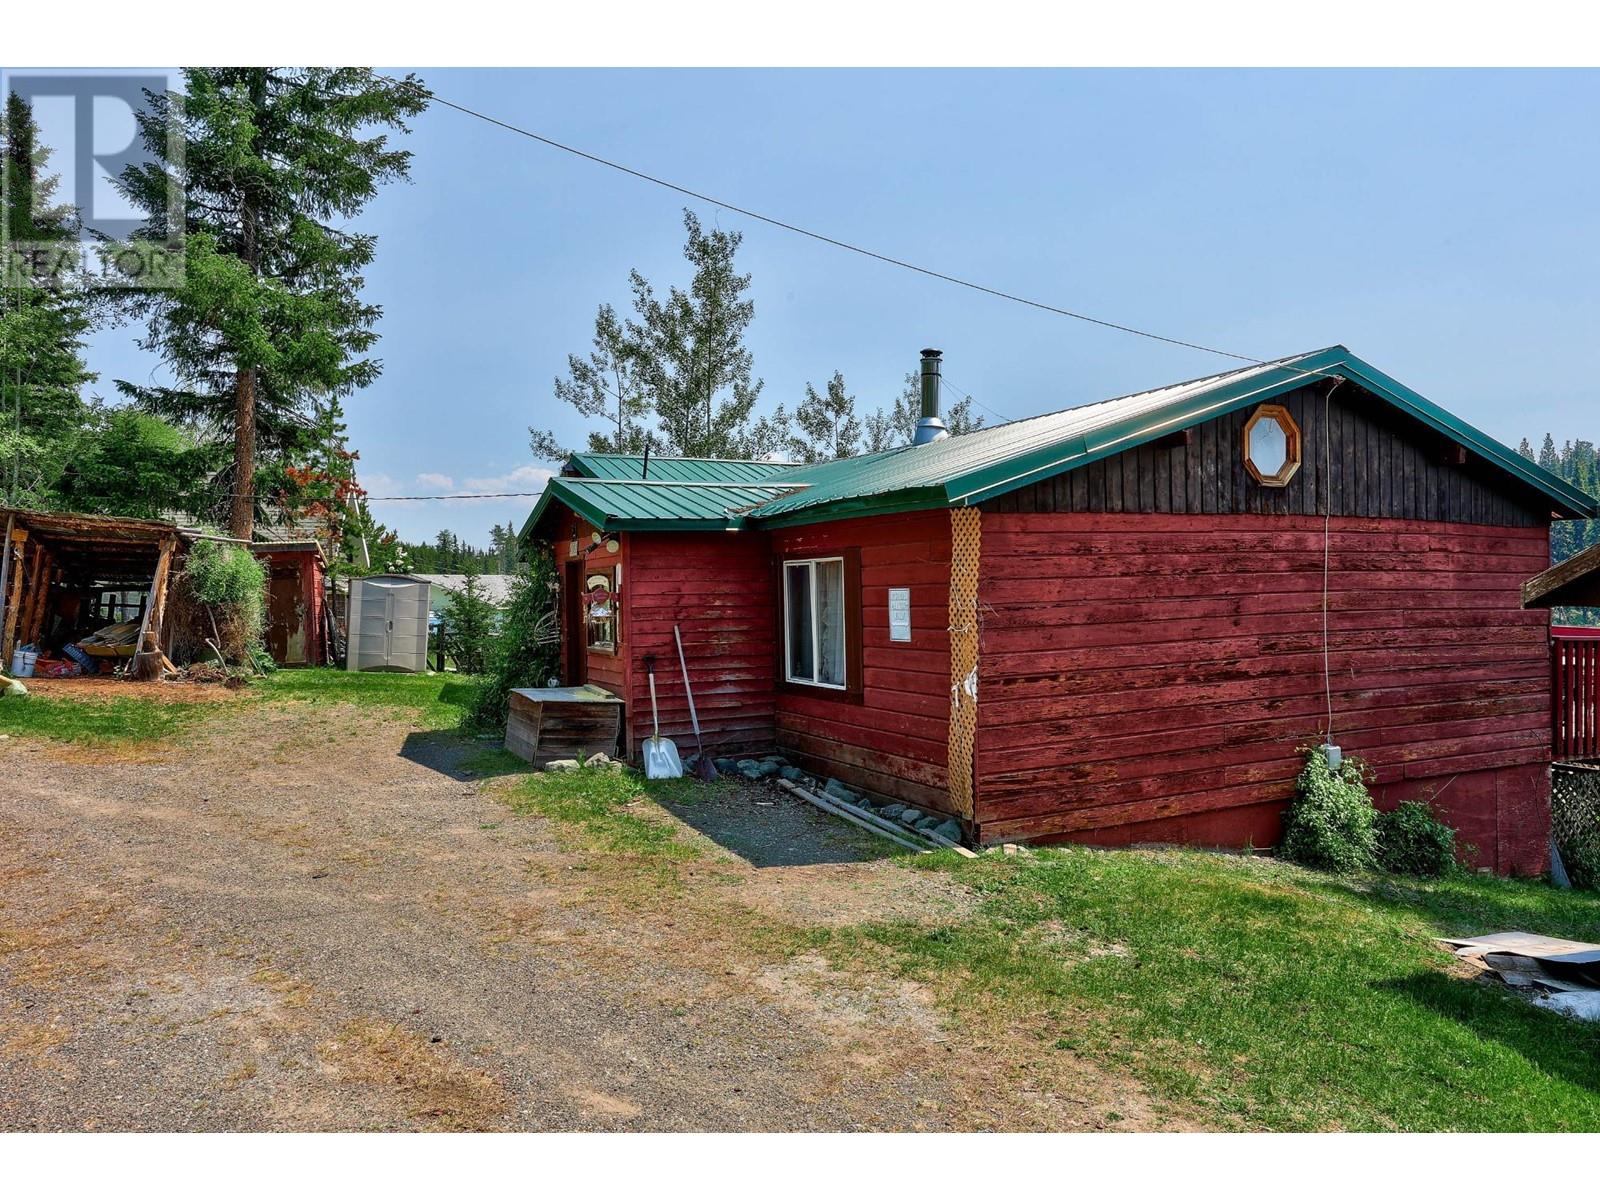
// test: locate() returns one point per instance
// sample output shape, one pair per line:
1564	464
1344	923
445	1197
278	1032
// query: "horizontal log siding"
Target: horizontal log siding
895	741
1379	463
717	588
1147	668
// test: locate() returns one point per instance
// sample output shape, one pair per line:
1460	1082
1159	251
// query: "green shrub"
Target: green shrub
527	652
1412	841
232	583
1330	823
1581	857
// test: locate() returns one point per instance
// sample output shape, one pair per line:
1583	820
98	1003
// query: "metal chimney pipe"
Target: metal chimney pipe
931	427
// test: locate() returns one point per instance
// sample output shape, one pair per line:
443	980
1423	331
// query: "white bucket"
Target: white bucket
22	663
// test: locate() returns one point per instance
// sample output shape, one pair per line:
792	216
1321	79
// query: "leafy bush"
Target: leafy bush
1330	823
231	582
1412	841
527	651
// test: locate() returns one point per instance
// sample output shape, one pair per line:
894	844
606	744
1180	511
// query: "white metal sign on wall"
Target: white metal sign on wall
899	614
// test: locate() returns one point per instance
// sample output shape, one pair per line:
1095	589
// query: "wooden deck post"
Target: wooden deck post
19	538
147	658
38	593
44	574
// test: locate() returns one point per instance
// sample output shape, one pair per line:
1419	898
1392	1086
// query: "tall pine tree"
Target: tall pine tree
269	311
42	322
1577	462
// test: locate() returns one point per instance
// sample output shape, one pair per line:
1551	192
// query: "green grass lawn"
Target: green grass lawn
1261	993
96	722
435	701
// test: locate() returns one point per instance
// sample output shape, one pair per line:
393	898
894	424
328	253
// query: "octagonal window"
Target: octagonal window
1271	445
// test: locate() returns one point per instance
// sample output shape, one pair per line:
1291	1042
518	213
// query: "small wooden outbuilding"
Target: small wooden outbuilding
1117	623
65	575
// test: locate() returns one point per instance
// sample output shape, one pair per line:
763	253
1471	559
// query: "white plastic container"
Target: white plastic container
23	662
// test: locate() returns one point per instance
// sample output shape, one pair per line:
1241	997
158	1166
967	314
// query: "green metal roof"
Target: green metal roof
977	466
990	462
674	470
618	504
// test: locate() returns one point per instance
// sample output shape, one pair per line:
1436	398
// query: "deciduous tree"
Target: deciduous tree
608	387
825	425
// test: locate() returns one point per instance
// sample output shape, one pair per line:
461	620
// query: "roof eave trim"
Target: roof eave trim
978	486
1083	449
1573	502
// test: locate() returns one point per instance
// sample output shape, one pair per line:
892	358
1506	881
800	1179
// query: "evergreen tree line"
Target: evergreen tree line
447	554
675	376
1577	463
263	335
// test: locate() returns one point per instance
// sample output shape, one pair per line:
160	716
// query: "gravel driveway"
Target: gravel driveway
316	918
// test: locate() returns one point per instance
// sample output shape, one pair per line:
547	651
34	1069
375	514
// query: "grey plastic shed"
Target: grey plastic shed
388	624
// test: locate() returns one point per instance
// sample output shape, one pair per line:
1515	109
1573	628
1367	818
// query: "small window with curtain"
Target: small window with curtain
814	622
600	610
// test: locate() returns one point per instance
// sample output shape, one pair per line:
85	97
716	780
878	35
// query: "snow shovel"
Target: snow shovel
660	755
704	769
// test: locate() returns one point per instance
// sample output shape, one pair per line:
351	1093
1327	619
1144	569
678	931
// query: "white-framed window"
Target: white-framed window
813	622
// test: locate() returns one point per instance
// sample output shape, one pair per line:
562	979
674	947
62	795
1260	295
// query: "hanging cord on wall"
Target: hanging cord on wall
1327	522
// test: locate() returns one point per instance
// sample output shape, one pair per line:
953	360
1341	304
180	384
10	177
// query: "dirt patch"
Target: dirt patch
436	1091
854	1003
108	687
31	1042
857	894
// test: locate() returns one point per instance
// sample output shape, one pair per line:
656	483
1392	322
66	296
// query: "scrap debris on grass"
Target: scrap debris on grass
1554	973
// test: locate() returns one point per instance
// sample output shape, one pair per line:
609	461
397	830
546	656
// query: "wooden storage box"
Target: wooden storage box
544	724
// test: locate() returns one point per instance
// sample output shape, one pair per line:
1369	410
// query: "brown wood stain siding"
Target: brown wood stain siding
717	588
894	740
1151	677
1380	464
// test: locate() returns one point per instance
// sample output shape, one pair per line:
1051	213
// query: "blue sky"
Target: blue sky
1441	224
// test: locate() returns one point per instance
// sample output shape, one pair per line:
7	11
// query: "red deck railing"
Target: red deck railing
1575	692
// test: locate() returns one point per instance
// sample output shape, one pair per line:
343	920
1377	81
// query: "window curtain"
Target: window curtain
830	622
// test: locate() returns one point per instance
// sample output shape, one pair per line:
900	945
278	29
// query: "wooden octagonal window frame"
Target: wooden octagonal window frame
1291	448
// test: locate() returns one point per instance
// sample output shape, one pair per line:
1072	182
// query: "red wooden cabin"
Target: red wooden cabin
1117	623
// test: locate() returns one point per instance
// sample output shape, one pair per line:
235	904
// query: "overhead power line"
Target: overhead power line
462	496
839	243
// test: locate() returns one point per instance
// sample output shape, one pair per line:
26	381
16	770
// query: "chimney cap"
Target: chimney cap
931	353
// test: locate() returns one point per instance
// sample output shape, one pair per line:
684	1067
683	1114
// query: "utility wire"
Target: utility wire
462	496
966	395
839	243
